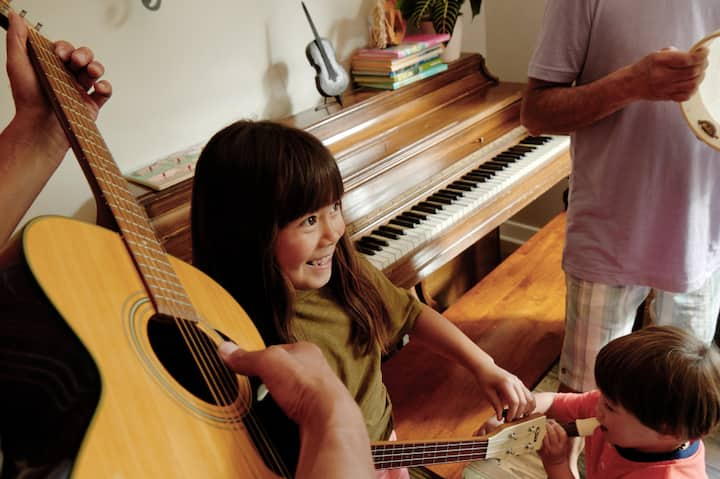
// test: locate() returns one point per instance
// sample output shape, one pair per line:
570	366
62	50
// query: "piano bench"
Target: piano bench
516	314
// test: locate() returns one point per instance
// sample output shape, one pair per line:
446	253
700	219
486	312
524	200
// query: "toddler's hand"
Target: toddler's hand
554	450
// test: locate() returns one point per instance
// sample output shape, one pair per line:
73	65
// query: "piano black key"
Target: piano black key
460	187
402	222
375	241
501	165
391	229
411	214
536	140
369	245
423	209
489	171
385	234
449	194
506	160
364	249
520	149
435	206
440	199
476	177
509	157
490	166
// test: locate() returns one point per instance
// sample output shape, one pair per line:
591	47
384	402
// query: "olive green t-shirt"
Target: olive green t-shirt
321	320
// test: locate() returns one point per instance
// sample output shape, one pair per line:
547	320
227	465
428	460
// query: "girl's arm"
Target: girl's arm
503	390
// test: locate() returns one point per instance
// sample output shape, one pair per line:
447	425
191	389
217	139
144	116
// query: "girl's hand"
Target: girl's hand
505	391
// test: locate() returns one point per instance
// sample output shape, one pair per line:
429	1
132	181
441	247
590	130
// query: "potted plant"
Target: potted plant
442	13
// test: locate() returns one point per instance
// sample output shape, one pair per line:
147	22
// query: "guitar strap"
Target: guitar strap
49	385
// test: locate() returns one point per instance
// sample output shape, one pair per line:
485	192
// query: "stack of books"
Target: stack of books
417	57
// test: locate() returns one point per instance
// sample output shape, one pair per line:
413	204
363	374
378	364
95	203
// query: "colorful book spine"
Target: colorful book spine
370	76
387	65
394	85
411	44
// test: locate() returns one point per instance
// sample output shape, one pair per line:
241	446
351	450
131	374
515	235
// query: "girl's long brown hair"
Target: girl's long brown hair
252	179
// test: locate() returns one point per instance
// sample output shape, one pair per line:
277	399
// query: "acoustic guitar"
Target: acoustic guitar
168	406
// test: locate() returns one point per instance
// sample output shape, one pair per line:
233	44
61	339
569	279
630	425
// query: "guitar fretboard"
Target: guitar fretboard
392	455
107	182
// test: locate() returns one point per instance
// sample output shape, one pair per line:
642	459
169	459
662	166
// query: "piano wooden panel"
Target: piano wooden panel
395	148
516	314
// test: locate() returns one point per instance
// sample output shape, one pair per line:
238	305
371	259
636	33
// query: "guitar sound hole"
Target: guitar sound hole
169	340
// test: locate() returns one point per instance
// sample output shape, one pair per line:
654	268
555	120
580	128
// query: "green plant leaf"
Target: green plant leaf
420	11
444	15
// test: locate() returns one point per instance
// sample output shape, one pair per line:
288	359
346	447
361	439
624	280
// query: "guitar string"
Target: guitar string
44	47
403	455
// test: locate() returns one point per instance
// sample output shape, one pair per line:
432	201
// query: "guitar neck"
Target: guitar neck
510	439
396	454
105	178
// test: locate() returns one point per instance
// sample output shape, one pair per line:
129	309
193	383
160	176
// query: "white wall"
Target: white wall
182	72
512	28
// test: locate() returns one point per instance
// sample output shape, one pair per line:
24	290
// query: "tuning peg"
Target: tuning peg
23	13
38	26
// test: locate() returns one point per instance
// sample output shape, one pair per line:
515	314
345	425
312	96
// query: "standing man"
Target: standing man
644	204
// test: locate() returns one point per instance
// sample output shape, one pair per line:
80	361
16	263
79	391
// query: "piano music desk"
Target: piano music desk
516	314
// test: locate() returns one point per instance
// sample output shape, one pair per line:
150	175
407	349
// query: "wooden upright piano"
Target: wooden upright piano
428	169
397	149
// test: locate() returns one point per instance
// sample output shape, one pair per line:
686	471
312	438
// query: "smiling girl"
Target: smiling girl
284	255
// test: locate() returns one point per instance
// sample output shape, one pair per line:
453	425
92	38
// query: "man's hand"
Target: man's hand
669	74
28	97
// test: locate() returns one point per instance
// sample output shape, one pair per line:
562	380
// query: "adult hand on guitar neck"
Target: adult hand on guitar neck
333	435
33	144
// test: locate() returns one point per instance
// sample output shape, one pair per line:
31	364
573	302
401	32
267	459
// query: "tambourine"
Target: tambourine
702	110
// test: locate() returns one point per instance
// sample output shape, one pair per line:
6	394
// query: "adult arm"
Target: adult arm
502	389
333	436
668	74
33	144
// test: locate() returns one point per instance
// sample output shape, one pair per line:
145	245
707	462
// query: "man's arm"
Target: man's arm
333	437
561	108
33	143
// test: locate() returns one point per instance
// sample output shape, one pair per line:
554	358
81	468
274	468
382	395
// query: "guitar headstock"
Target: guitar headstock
516	438
5	10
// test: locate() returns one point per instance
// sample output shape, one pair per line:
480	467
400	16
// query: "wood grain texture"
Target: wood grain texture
516	314
146	424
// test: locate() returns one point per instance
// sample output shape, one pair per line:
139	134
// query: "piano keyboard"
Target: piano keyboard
429	218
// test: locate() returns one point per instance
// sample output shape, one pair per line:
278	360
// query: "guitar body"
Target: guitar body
148	422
